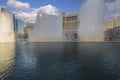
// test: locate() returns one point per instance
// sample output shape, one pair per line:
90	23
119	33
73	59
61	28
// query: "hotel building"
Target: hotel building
70	27
112	23
28	29
112	29
19	29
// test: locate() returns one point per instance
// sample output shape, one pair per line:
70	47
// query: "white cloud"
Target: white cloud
18	5
48	9
27	17
30	16
112	9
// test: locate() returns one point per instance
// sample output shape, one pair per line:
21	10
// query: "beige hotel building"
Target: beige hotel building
112	29
112	23
70	26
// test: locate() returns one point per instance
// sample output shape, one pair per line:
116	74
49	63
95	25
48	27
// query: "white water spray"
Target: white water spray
48	28
91	21
6	26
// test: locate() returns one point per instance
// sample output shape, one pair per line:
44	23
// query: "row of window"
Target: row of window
71	18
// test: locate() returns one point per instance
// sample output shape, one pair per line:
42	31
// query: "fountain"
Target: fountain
48	28
6	26
91	21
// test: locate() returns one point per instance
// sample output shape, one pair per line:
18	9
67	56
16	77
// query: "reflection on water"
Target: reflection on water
7	53
60	61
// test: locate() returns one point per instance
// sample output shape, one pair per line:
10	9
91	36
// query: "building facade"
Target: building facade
28	30
70	27
18	26
19	29
112	29
112	23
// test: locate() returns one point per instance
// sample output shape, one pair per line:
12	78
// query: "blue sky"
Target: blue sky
28	9
69	6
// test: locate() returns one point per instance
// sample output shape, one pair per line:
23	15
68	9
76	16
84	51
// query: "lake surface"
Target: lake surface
60	61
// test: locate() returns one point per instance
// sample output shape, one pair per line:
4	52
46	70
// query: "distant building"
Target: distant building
28	30
18	26
70	26
112	23
112	29
19	29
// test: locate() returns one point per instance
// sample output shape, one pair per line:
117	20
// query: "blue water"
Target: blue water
60	61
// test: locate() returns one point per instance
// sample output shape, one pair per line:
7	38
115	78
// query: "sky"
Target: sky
27	10
112	9
62	5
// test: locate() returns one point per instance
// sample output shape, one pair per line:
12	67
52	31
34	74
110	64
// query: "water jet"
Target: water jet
7	33
48	28
91	21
